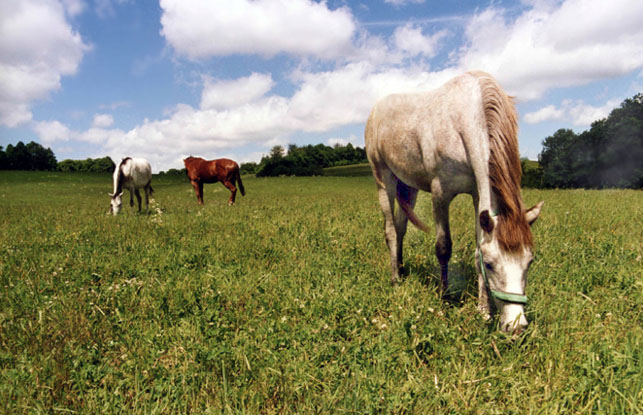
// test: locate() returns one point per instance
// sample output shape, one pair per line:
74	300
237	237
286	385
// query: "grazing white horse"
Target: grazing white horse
131	174
460	138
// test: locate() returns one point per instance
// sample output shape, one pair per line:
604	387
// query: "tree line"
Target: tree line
309	160
33	156
609	154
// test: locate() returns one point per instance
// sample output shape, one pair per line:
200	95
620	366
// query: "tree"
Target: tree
609	154
248	168
557	160
31	156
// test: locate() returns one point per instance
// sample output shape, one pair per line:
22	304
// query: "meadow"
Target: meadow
282	304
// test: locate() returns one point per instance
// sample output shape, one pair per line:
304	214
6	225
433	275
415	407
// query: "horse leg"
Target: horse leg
233	191
198	189
138	198
409	196
386	196
147	198
131	198
443	243
484	302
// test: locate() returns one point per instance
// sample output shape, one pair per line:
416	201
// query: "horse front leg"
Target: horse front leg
443	244
484	302
198	189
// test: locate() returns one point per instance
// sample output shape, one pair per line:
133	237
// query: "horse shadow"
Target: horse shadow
462	279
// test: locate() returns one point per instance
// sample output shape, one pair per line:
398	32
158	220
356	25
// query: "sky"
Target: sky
232	78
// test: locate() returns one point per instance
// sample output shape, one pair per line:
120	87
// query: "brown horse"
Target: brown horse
202	171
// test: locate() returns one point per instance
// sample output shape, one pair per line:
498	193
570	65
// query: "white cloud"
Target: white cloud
37	48
528	54
52	131
548	113
403	2
204	28
225	94
102	121
73	7
576	112
575	43
323	101
410	39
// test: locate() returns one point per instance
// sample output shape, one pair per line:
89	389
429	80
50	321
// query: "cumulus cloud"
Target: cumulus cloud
530	54
37	47
322	101
574	111
102	121
201	29
574	43
232	93
74	7
403	2
52	131
411	40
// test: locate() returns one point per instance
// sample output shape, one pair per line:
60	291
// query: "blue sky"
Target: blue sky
232	78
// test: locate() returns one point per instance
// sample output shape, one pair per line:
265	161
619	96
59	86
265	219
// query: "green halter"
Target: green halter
500	295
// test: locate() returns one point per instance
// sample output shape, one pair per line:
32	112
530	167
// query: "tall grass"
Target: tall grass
282	304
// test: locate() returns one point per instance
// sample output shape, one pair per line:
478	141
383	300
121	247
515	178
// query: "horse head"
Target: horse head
504	269
115	203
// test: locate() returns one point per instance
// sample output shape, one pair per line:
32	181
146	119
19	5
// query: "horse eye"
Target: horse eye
488	266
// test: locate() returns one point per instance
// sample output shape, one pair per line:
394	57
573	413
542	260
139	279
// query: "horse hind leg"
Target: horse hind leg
233	191
148	191
408	195
386	188
138	198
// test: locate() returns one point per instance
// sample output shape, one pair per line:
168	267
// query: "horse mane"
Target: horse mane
505	172
119	176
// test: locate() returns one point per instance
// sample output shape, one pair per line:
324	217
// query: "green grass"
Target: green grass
282	304
353	170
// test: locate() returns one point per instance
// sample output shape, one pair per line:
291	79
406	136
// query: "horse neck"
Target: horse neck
118	178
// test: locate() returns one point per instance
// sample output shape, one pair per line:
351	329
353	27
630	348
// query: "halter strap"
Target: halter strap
499	295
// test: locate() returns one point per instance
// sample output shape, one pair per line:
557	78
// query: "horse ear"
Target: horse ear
110	194
120	194
532	214
485	221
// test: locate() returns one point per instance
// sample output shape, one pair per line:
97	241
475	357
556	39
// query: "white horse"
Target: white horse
460	138
131	174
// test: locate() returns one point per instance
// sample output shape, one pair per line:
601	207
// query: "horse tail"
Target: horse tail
243	191
402	193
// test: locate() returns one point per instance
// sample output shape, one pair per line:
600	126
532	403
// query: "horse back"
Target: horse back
419	136
210	171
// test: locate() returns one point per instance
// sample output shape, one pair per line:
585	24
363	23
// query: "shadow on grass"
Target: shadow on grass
462	279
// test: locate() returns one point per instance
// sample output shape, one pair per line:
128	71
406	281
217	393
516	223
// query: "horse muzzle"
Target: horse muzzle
512	318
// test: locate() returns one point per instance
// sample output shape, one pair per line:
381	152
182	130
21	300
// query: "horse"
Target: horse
202	171
132	174
459	138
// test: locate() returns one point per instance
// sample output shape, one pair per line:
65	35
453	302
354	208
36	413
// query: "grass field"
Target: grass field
282	304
